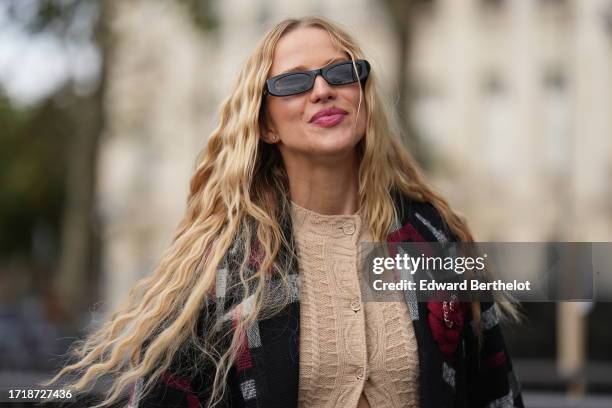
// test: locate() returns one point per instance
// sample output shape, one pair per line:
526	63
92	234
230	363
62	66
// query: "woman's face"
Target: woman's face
291	119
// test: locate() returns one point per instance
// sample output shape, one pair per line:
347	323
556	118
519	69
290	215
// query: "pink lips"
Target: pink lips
328	117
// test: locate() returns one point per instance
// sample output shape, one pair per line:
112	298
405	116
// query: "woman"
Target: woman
303	166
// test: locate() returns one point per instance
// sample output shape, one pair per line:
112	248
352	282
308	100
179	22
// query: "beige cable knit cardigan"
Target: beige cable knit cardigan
352	353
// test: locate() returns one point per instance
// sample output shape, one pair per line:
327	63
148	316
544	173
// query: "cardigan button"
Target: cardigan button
356	304
360	373
348	228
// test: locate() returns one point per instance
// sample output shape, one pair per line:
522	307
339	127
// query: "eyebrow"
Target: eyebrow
303	68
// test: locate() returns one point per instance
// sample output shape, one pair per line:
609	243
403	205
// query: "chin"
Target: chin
339	138
336	147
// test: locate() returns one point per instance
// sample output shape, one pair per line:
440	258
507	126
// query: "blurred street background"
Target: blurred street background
507	104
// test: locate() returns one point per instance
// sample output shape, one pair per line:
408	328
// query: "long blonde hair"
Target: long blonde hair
239	190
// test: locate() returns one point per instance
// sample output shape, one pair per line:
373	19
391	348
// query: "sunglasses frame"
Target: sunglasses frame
365	65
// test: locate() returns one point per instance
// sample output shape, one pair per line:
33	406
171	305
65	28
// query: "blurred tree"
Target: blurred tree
78	268
31	175
30	192
77	279
401	13
81	117
202	13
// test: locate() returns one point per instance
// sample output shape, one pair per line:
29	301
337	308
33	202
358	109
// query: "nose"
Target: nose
321	91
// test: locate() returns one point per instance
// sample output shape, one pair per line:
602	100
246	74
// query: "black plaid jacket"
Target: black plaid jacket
266	372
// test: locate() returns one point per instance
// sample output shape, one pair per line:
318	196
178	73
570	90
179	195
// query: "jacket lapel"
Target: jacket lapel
272	345
418	223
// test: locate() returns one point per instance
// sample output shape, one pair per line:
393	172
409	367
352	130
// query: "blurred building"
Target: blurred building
513	102
158	104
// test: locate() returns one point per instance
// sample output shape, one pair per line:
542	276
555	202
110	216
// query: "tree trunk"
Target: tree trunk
78	271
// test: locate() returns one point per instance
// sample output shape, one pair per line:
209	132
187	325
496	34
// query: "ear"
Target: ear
270	137
268	132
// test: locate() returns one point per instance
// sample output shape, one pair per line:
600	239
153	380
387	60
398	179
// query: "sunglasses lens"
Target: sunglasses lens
341	74
292	84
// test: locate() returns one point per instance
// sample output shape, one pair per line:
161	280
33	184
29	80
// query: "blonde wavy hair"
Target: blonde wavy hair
239	191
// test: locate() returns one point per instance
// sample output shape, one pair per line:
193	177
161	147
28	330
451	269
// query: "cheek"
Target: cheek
363	117
353	99
285	113
351	96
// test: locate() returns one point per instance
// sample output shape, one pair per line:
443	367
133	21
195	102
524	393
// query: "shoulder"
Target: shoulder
422	216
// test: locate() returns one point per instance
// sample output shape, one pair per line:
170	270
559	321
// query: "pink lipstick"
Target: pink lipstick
328	117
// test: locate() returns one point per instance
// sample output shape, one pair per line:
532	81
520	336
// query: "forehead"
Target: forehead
308	47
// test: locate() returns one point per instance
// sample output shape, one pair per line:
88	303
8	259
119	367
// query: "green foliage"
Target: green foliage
32	170
202	13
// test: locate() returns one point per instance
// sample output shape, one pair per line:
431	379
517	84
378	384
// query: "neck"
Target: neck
325	188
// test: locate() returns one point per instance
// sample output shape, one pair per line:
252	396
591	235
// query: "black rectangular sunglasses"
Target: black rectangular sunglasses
339	73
